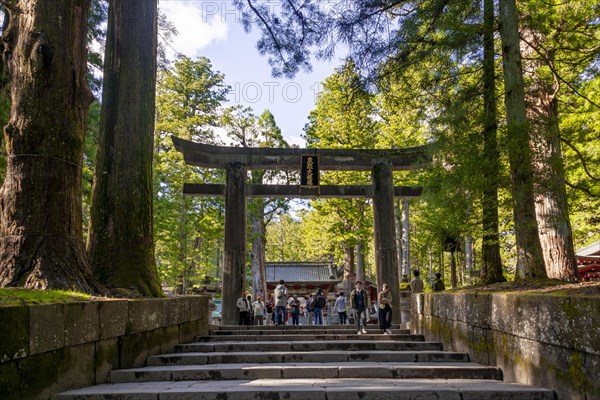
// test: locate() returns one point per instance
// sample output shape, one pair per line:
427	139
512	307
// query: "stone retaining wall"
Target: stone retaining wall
46	349
545	340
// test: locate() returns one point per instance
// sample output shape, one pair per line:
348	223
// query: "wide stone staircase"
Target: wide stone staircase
308	362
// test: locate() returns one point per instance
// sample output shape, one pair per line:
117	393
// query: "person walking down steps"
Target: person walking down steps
360	301
384	302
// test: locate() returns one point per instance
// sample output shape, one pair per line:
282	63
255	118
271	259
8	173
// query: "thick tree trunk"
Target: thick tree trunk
121	242
453	277
491	263
349	257
360	261
551	205
41	241
530	262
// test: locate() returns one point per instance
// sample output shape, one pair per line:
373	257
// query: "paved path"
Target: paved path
316	363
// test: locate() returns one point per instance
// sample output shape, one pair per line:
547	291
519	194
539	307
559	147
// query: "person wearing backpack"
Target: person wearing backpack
280	296
320	302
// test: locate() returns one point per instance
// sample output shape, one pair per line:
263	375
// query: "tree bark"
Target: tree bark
41	240
360	261
491	262
530	262
551	206
120	243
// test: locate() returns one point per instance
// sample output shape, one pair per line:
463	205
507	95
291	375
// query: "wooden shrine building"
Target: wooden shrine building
238	160
303	278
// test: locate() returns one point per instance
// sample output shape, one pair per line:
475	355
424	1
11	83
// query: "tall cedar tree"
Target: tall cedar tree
530	260
41	241
120	241
491	263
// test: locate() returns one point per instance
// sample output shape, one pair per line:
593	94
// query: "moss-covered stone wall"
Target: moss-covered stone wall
545	340
45	349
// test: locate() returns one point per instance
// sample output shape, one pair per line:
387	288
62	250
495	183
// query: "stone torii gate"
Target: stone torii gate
238	160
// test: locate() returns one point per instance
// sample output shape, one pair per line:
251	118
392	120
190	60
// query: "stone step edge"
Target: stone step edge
324	337
314	389
199	358
297	346
308	370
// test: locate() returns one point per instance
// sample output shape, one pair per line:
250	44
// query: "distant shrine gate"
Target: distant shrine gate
238	160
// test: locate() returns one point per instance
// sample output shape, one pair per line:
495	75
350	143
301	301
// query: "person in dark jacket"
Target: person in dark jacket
360	302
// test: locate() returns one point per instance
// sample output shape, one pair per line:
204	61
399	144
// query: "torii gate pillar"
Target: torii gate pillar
385	234
234	266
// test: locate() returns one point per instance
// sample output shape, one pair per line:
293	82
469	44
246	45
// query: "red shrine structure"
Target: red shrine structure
588	262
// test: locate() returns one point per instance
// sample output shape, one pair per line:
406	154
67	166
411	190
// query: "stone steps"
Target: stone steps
307	345
307	362
312	389
409	370
286	337
305	356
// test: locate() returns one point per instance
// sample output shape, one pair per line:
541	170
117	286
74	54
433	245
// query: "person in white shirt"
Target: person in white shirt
243	306
340	307
259	311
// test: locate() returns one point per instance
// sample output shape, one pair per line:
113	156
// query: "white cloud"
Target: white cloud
195	30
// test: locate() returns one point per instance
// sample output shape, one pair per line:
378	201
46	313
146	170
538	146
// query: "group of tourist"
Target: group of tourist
274	310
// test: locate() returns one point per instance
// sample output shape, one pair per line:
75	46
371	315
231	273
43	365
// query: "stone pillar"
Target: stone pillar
234	266
405	239
385	235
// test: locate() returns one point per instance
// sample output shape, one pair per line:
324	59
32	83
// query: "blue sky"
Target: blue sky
212	29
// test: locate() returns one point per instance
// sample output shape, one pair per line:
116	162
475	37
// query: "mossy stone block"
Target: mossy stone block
189	330
43	375
196	307
585	314
145	315
591	372
136	348
114	316
551	318
106	359
14	335
477	309
172	312
170	339
82	323
47	327
9	381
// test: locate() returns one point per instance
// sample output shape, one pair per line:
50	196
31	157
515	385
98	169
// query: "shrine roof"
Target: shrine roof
301	272
590	250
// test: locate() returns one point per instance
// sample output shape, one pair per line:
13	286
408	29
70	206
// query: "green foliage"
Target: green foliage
580	127
90	144
188	230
